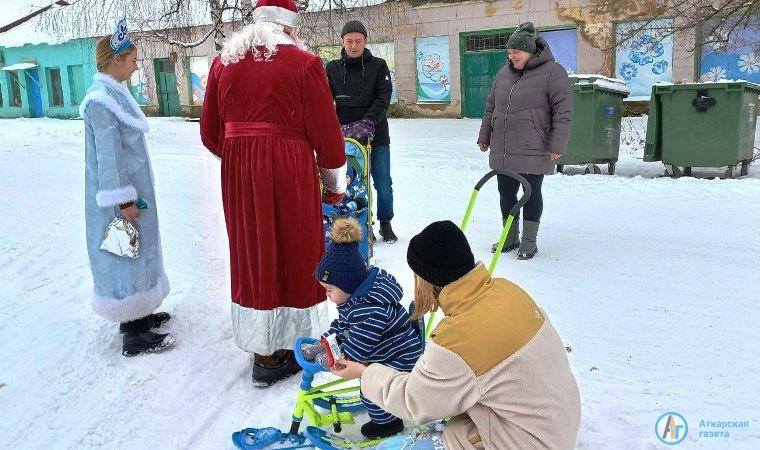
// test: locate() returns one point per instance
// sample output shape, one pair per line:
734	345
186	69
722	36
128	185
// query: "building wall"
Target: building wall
397	23
79	52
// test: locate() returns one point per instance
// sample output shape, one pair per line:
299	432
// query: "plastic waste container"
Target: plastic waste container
597	114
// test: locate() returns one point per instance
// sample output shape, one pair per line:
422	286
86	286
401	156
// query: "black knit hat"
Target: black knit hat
524	38
440	254
353	26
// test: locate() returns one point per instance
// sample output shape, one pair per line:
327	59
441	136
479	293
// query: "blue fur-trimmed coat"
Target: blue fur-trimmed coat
117	170
373	327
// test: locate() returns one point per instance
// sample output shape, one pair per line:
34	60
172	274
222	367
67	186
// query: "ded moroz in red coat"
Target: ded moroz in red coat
273	124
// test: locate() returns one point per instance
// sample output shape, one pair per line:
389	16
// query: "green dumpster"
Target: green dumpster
597	113
702	125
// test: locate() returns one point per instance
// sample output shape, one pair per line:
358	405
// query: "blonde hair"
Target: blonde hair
425	297
104	53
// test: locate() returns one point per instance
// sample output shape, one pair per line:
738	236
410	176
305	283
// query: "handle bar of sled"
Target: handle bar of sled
527	191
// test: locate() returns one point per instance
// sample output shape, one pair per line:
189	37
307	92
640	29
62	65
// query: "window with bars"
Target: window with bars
54	87
485	42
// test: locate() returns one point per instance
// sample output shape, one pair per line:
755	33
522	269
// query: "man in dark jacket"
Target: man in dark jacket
361	87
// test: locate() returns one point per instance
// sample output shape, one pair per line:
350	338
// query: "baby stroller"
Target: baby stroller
358	162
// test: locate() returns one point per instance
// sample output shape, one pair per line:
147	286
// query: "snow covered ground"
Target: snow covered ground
652	282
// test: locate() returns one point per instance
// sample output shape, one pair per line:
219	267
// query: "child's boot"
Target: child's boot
374	430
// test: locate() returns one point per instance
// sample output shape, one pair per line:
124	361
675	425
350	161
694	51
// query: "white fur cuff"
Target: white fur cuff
276	14
334	180
115	197
133	307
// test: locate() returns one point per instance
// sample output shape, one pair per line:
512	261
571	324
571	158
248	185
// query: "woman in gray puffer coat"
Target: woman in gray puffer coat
526	124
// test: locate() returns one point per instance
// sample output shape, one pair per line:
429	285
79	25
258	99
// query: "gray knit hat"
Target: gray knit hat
353	26
524	38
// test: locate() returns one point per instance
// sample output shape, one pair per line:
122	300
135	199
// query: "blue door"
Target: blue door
33	92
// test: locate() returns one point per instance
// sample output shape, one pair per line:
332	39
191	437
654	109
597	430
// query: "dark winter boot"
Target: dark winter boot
268	373
513	238
156	319
374	430
528	248
145	342
386	232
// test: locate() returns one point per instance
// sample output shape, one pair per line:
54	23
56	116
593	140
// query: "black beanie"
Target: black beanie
440	254
353	26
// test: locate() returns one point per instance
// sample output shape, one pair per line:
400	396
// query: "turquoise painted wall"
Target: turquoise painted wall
76	61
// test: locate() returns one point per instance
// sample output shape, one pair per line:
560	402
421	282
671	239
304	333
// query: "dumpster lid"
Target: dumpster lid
612	84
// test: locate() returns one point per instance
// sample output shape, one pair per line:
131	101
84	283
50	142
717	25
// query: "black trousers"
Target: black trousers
508	192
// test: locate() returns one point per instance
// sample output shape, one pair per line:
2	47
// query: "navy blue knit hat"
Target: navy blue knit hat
342	264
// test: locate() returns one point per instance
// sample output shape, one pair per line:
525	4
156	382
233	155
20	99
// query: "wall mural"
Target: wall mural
646	57
731	55
198	78
433	70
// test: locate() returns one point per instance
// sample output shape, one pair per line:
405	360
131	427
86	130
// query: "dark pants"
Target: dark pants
381	177
508	192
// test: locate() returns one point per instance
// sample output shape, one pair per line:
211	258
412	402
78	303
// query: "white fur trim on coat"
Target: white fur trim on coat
133	307
115	197
266	331
276	14
334	180
133	118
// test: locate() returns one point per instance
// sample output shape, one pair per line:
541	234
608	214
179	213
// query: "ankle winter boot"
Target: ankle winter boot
513	238
135	343
374	430
528	248
156	320
386	232
265	373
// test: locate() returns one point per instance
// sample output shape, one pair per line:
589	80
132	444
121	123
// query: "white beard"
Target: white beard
261	39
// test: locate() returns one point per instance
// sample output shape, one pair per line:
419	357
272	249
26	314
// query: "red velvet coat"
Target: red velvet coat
272	123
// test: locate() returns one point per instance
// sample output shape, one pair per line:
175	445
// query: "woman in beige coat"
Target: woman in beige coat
495	364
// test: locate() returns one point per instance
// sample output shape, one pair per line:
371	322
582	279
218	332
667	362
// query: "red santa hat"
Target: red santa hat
283	12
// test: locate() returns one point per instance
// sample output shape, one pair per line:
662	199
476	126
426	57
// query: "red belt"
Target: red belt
247	129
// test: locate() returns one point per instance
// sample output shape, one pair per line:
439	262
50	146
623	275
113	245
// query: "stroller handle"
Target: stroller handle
527	190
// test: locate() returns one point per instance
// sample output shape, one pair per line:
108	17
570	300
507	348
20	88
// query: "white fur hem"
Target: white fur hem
135	120
115	197
276	14
266	331
334	180
133	307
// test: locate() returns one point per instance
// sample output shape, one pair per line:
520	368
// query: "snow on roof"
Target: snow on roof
19	66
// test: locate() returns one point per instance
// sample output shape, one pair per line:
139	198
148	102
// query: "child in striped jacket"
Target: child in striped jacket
372	326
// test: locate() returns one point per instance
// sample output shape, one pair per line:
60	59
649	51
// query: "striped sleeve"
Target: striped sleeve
366	332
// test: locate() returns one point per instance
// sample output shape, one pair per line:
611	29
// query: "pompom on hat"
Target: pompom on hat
342	264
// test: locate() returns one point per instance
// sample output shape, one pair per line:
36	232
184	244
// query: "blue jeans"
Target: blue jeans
381	177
